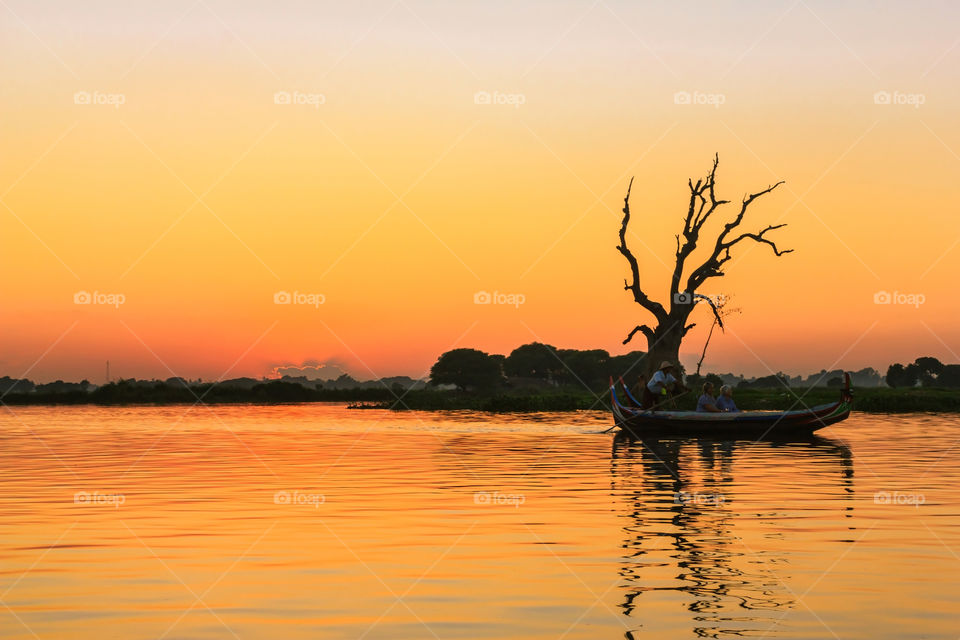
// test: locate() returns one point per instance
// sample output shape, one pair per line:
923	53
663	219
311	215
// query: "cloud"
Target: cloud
312	369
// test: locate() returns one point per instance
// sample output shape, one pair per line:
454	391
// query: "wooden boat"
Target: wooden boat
642	423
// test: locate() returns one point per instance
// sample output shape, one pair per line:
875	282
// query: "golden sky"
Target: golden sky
193	159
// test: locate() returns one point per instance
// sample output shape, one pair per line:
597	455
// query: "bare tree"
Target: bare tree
664	339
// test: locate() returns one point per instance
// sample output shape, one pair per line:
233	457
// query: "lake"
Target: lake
315	521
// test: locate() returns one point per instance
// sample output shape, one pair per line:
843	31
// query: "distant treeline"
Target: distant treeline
544	365
532	377
165	392
343	383
868	400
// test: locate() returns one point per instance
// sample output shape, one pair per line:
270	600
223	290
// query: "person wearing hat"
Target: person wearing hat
655	393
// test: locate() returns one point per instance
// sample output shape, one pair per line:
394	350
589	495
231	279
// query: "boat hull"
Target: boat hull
752	424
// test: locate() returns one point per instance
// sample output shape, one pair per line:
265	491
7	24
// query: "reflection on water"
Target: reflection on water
311	521
729	590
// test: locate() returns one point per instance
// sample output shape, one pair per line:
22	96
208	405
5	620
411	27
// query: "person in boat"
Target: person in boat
657	391
637	390
725	401
706	402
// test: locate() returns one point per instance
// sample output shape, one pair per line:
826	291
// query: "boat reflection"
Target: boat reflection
681	551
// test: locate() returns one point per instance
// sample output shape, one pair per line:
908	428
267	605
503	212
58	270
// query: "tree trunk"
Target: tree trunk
664	344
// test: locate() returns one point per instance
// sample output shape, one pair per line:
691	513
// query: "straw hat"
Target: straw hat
666	364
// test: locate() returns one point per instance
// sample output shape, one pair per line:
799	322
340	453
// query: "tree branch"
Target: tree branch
713	306
634	286
758	237
712	266
644	329
696	217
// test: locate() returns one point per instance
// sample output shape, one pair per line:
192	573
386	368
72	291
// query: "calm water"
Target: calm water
318	522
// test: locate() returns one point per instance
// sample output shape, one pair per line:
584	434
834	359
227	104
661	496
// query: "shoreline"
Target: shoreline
872	400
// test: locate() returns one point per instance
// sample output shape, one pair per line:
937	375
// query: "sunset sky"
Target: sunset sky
148	156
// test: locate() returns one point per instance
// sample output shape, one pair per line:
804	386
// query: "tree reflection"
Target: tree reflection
680	537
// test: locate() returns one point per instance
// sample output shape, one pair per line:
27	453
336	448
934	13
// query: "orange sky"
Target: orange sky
399	197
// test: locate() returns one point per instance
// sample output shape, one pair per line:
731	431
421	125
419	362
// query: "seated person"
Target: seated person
725	401
637	390
706	402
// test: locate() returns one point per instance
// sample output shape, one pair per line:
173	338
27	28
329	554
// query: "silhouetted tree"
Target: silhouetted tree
629	365
950	376
929	369
866	377
925	371
663	340
584	368
534	360
900	376
501	360
929	364
466	368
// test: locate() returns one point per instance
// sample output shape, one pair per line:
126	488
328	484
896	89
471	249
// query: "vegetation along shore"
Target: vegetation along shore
534	377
